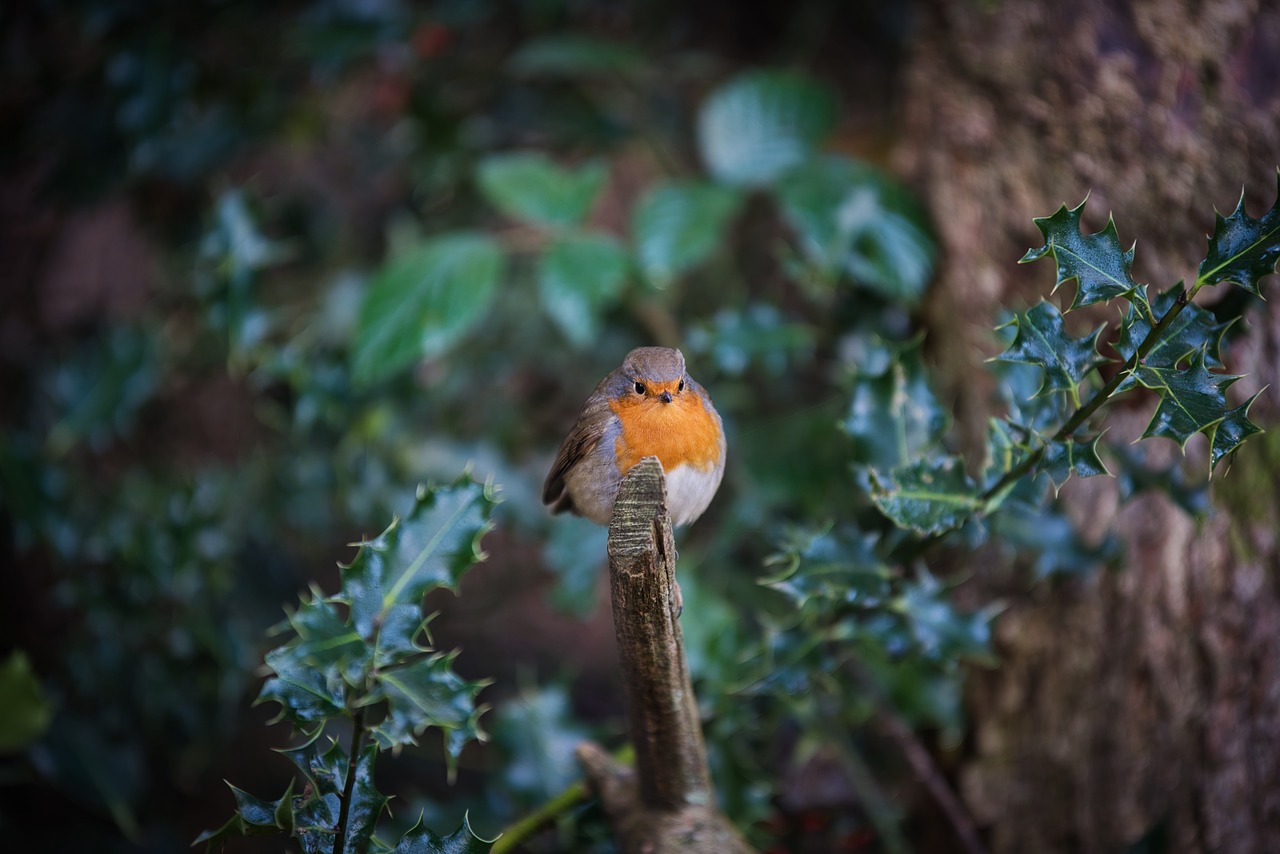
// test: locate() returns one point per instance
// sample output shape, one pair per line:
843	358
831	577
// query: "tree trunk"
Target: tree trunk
1146	700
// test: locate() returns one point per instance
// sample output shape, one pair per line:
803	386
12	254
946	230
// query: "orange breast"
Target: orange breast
683	432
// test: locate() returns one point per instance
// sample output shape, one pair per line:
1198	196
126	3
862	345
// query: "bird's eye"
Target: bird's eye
639	388
681	386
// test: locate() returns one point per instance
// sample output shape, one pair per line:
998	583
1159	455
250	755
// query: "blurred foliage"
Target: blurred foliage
391	240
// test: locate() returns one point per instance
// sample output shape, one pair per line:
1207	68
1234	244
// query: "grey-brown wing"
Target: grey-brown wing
581	441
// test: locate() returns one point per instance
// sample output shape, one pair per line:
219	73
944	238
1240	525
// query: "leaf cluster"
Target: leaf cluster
364	656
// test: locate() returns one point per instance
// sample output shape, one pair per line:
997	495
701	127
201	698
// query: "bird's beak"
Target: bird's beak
666	397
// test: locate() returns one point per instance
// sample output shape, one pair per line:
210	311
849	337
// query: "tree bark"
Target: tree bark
1142	702
667	805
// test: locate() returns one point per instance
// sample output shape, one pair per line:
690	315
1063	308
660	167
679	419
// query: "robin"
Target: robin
649	406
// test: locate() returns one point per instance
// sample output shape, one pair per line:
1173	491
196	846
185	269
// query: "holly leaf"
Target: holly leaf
941	632
1042	340
423	301
927	496
420	840
1095	261
428	693
1063	459
758	125
831	565
1045	532
1242	249
529	186
431	547
1192	400
1193	329
253	817
894	416
306	693
579	276
677	226
1229	433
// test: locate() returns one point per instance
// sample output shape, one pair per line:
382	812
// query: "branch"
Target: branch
667	805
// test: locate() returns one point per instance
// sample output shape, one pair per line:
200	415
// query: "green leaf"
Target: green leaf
831	565
677	226
539	735
1061	460
927	496
420	840
306	694
894	416
529	186
428	693
1191	400
575	55
253	817
1229	433
579	276
1042	340
25	713
423	301
1193	329
853	218
367	803
1095	261
762	123
431	547
941	632
1043	530
1242	249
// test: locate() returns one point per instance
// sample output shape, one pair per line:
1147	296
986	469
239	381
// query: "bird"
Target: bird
648	406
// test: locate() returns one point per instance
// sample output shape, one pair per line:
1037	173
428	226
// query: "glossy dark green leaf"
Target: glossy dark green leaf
1229	434
1100	268
420	840
575	55
1242	249
306	694
530	186
762	123
424	300
1042	340
253	817
928	496
1063	459
894	416
431	547
579	277
1193	329
677	226
367	803
1192	400
428	693
25	713
851	218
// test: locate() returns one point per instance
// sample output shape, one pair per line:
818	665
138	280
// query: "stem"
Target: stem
1081	415
348	787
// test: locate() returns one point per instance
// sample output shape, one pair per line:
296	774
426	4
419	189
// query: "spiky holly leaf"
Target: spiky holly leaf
398	637
893	415
1095	261
928	496
253	817
420	840
1242	249
1229	433
1193	329
1192	400
428	693
306	690
1042	340
831	566
431	547
1061	460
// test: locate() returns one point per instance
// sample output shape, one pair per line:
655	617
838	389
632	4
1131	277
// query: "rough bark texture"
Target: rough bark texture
667	805
1147	698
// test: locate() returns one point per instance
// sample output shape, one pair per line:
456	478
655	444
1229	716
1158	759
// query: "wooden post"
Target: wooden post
667	804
